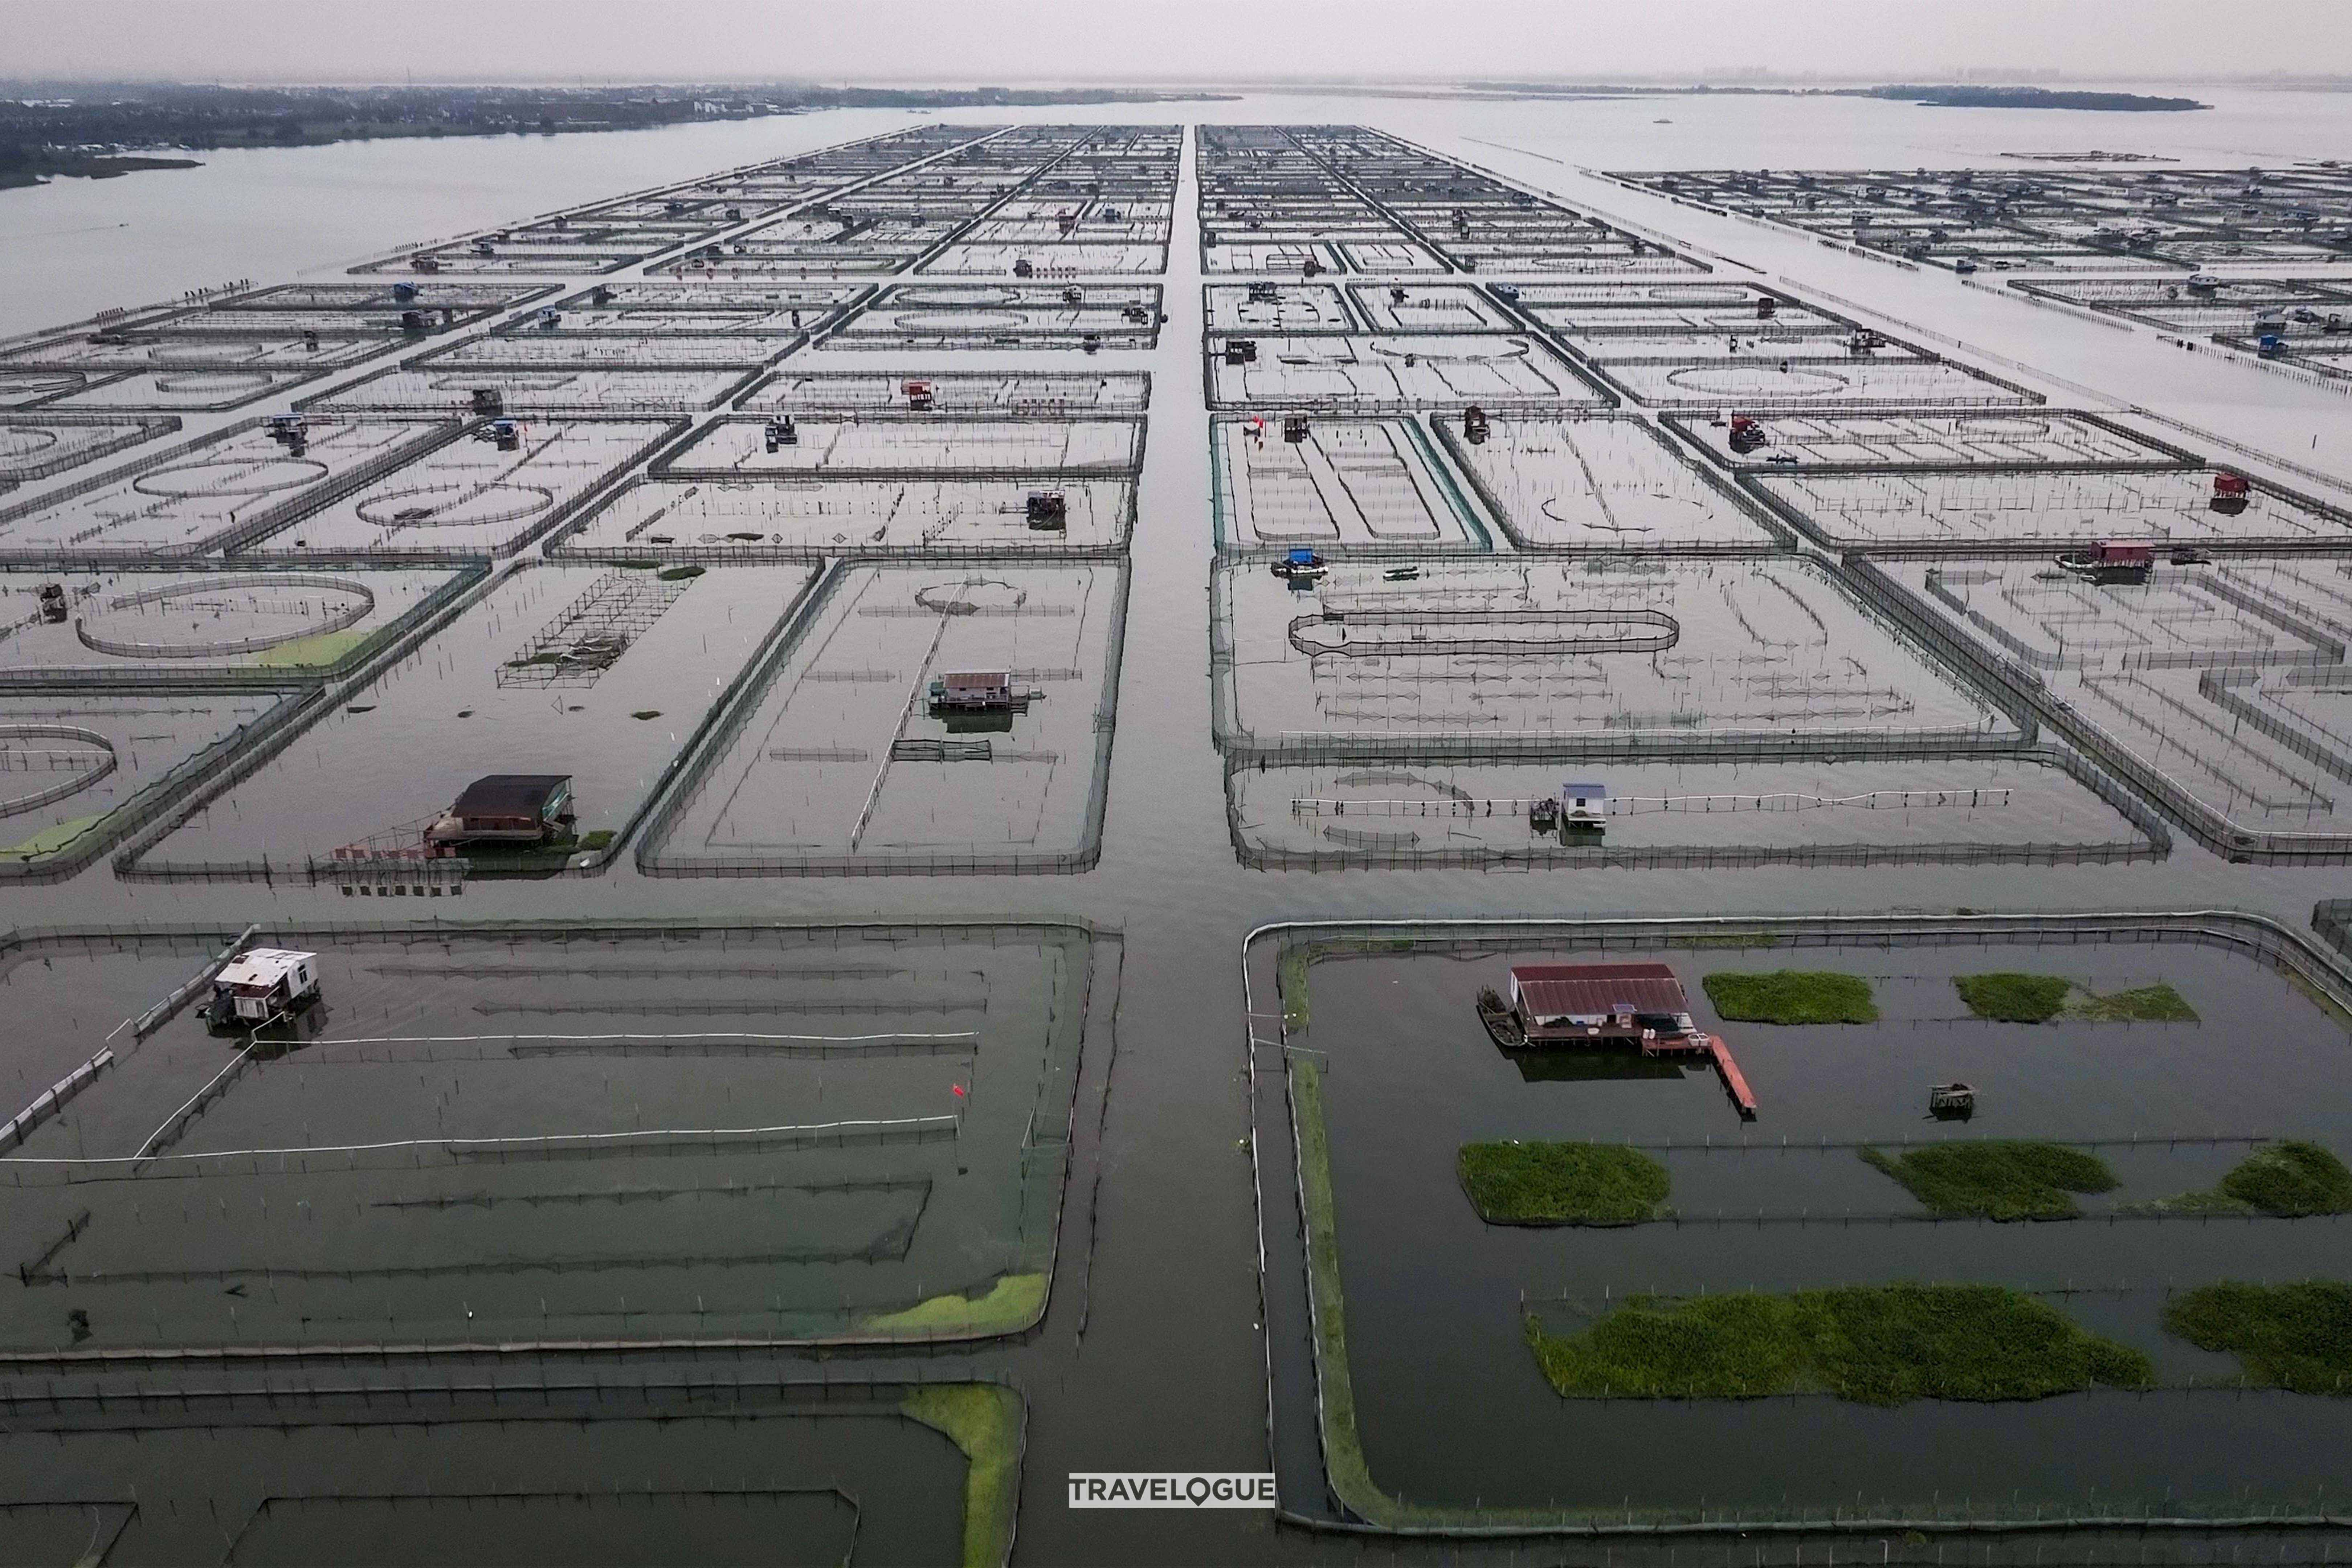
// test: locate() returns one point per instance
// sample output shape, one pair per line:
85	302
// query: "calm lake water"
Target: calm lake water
1170	1371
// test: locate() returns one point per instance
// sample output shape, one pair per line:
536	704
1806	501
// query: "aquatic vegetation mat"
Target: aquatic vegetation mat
2296	1337
1561	1184
985	1421
2288	1180
1885	1344
2157	1003
1997	1179
2012	998
1790	997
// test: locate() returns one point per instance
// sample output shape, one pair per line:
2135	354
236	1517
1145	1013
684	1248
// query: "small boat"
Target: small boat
1401	574
1955	1101
1301	566
2109	561
1502	1026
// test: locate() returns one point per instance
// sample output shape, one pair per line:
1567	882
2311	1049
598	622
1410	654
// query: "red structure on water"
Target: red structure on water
1638	1004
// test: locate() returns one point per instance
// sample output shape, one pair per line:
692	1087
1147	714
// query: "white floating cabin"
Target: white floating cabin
262	983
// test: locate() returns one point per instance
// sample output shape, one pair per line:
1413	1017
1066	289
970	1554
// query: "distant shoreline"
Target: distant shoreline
1945	96
45	140
89	167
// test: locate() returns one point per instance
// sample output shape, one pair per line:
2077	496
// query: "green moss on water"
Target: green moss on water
984	1421
1997	1179
2291	1178
1011	1304
1561	1184
1343	1451
1790	997
1658	1347
2012	998
2157	1003
1884	1344
2296	1337
49	840
2287	1180
327	649
1290	983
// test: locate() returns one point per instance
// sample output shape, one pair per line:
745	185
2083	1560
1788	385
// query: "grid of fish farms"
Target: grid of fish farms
2254	263
2157	220
772	524
542	497
1508	568
779	524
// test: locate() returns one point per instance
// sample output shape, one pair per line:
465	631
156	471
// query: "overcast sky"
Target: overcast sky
878	40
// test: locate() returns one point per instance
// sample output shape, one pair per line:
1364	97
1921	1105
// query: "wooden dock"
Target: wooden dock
1718	1051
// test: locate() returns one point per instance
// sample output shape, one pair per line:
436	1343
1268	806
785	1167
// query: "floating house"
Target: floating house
2110	561
975	691
261	984
1599	1004
1584	806
1624	1005
1300	566
1048	511
507	808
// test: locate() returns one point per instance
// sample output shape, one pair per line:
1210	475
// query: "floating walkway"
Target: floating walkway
1715	1048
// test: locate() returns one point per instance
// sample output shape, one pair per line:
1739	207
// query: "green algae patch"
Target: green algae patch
1790	997
1011	1304
2295	1337
1290	984
1343	1450
1996	1179
2287	1180
303	653
2008	997
1880	1344
2157	1003
49	840
1659	1347
1561	1184
985	1422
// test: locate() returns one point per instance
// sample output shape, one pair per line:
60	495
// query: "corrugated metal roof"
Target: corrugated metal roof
509	795
259	966
1586	990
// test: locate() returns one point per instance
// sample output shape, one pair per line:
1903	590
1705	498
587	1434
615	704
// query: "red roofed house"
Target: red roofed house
1599	1004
